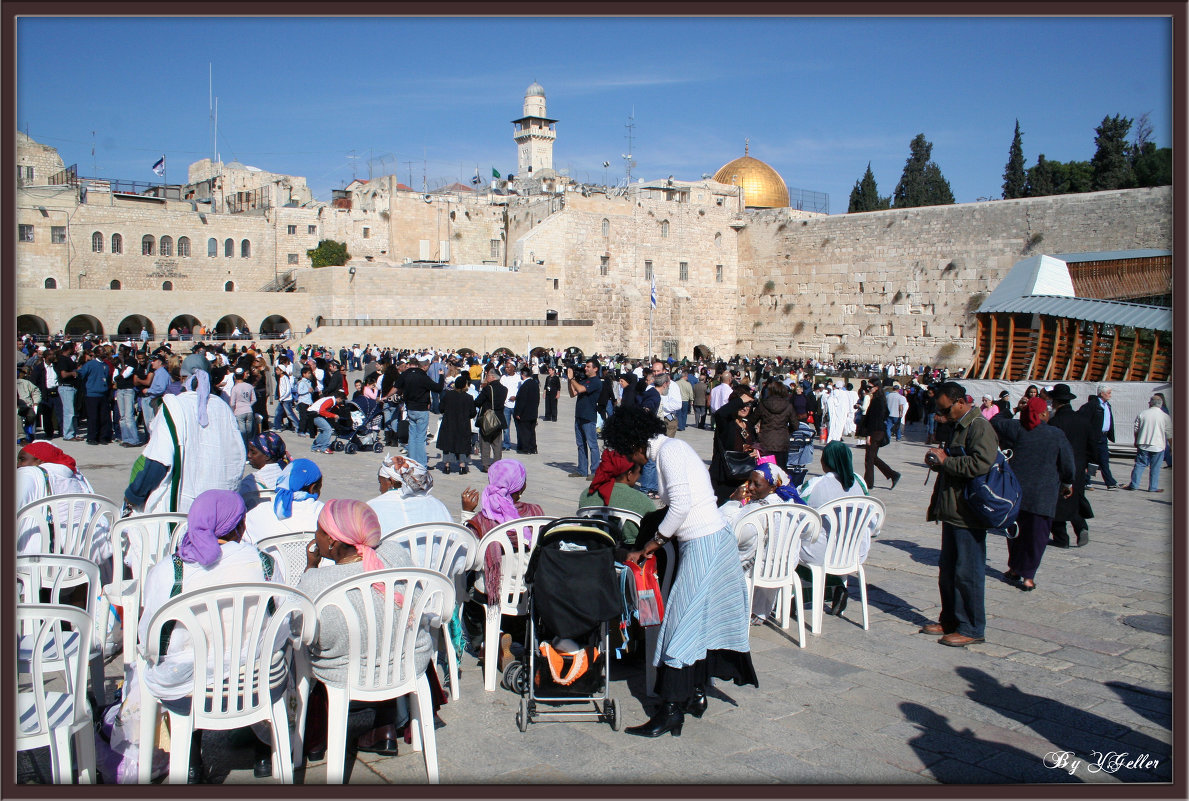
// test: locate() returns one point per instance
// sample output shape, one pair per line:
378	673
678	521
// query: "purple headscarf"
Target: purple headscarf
504	479
213	514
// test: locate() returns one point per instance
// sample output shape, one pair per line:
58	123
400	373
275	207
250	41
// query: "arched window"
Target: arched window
166	246
245	249
51	283
167	286
228	248
146	245
96	242
718	240
664	228
117	243
184	246
115	284
229	286
606	226
212	247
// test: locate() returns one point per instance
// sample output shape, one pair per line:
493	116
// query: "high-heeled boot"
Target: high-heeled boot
696	705
668	719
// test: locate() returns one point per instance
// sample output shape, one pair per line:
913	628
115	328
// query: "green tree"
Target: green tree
921	183
1040	178
1153	167
1112	168
329	254
865	195
1015	179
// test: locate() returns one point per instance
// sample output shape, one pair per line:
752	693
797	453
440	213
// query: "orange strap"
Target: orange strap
557	661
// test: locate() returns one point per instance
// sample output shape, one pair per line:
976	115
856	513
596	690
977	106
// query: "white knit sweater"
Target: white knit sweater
684	484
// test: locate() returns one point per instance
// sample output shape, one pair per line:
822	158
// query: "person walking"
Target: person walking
1100	414
1083	441
454	434
874	426
1153	430
491	396
524	411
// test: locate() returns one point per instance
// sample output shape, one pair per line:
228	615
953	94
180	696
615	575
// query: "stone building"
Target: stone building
546	263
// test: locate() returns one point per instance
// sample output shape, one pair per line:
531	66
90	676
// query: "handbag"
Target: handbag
650	607
489	421
739	464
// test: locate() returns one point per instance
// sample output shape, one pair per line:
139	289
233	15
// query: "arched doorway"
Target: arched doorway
32	325
465	352
184	322
82	324
230	324
132	325
502	352
539	352
274	327
702	353
575	354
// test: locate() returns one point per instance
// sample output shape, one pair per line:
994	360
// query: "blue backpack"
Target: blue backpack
995	498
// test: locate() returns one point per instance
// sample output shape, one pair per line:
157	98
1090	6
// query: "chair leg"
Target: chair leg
423	699
819	598
799	606
415	722
863	596
84	749
302	681
282	753
451	662
491	644
783	602
336	734
149	711
181	733
60	755
131	622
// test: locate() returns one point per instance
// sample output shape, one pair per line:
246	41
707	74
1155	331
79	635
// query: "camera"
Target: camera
931	459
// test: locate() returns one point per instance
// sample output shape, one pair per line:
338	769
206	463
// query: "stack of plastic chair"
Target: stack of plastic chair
846	523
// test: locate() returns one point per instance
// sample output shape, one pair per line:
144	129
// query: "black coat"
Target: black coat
1083	440
497	391
1042	461
873	423
454	435
1093	411
528	400
552	386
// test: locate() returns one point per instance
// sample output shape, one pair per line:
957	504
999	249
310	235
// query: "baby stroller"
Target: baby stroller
800	454
572	594
358	427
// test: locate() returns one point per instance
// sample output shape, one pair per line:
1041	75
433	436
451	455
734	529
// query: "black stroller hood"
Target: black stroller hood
571	575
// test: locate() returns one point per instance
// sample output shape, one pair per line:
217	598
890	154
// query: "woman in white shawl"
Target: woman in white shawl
404	497
194	446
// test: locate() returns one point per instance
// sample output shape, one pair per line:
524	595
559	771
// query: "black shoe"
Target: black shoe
316	754
464	470
381	747
446	469
1064	543
667	720
896	480
841	595
262	767
196	774
1083	538
696	705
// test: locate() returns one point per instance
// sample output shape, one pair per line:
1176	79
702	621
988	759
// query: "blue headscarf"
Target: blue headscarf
294	479
779	481
213	514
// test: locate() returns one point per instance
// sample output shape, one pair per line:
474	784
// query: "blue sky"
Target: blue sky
818	97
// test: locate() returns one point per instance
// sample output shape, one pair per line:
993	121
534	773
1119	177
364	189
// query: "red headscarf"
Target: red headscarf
612	465
1033	414
46	452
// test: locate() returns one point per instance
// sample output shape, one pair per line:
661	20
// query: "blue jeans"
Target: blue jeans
66	395
507	428
683	415
962	579
146	411
322	441
418	426
648	480
587	439
1151	460
285	410
126	400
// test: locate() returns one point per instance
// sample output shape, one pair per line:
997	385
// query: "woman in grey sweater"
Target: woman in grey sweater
348	535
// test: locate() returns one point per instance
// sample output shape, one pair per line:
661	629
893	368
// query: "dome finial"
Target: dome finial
746	145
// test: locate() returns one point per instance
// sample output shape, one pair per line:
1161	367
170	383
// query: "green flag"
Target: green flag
495	173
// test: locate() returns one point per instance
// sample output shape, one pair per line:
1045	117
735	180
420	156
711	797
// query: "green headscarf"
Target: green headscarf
836	459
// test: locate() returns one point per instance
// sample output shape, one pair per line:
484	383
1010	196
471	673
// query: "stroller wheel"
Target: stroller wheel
520	680
522	715
351	447
511	675
338	445
378	447
610	714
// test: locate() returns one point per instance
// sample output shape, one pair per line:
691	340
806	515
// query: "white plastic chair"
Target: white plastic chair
59	576
512	600
381	655
449	549
137	543
290	551
240	672
779	529
48	717
846	523
620	516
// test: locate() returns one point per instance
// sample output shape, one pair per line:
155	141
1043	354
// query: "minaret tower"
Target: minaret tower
534	134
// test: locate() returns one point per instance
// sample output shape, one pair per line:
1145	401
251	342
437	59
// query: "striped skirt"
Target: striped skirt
707	608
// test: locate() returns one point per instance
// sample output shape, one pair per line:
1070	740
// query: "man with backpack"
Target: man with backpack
971	452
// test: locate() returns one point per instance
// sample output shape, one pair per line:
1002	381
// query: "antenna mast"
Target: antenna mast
627	157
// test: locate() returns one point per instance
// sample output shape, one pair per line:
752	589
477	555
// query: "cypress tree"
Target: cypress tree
1112	168
1015	179
921	183
865	195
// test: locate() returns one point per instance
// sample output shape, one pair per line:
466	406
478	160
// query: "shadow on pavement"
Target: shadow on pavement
1155	705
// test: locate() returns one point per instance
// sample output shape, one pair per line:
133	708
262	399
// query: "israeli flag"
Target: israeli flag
159	167
654	293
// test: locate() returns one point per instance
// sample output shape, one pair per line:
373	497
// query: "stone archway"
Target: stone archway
228	324
182	322
132	325
502	352
702	353
32	325
82	324
574	353
274	327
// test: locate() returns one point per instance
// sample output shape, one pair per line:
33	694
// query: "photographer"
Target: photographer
961	569
586	388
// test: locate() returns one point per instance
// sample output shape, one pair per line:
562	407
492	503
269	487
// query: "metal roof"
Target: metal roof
1111	255
1111	312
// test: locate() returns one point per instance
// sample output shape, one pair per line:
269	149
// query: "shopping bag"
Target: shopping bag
650	607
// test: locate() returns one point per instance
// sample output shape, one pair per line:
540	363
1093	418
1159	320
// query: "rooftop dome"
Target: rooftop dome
763	188
534	90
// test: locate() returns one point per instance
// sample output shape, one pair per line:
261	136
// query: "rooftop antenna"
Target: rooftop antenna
627	157
353	158
410	164
424	169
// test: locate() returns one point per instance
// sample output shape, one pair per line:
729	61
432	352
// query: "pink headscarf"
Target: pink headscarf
504	479
355	523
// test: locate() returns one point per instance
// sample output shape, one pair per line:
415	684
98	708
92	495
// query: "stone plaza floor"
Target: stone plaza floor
1074	682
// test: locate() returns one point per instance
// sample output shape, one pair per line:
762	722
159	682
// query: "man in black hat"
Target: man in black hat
1084	441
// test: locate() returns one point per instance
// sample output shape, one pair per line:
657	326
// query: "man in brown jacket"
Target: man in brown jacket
963	561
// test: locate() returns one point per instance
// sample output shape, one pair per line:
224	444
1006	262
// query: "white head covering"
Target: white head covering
414	477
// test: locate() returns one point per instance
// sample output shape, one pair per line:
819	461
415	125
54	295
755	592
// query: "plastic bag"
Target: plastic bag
650	607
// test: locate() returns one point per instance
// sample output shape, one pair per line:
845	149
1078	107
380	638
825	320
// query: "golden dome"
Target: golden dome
763	188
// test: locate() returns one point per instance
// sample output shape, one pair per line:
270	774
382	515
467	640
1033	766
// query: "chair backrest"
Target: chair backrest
56	577
448	548
68	524
382	635
779	529
140	541
846	522
237	633
289	550
51	653
515	558
619	516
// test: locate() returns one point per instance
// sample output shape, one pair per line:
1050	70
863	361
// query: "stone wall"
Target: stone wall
43	159
905	283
